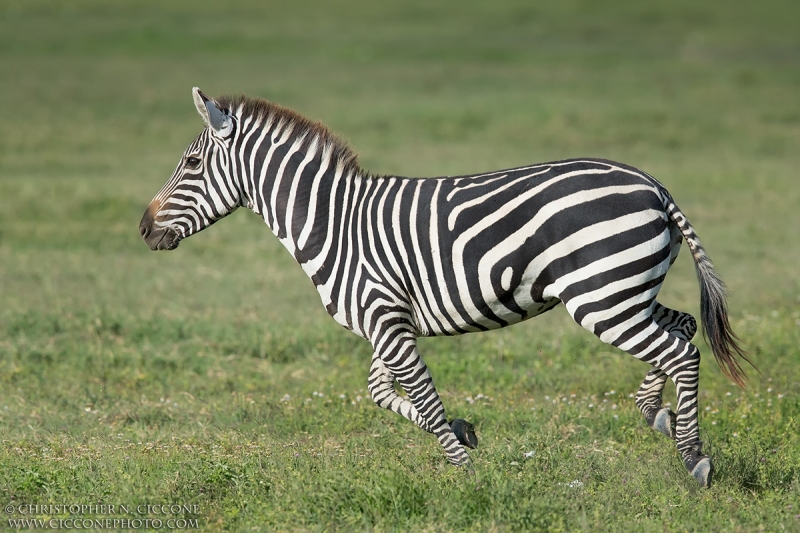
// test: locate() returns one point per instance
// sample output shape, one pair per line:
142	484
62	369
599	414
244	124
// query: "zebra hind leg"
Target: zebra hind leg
642	337
648	397
680	360
648	400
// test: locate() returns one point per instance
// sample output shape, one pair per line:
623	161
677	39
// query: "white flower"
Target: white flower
575	484
286	398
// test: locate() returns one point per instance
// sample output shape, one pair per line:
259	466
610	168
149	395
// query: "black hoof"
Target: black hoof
664	422
465	432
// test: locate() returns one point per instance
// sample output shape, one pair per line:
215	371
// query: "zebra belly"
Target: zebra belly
452	321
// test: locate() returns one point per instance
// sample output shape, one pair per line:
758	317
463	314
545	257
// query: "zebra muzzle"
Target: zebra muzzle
157	238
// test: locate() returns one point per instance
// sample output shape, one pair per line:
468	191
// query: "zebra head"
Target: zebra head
202	189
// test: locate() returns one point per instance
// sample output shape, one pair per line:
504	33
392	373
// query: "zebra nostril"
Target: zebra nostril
146	224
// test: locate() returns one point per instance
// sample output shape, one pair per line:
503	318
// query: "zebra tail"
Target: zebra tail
717	329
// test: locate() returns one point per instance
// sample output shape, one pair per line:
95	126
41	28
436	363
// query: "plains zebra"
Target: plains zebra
395	258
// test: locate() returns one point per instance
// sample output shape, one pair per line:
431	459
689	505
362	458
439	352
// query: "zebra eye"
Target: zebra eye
192	162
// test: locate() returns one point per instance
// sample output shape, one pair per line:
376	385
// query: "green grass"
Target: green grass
128	377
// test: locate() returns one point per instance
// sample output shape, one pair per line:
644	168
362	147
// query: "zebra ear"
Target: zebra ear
211	114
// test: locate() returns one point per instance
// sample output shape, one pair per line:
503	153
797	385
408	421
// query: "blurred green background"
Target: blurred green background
129	376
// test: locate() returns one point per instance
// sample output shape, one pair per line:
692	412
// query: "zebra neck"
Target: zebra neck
303	195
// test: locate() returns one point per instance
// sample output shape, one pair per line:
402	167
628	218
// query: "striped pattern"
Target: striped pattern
396	258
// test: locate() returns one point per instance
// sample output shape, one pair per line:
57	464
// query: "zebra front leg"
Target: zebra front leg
648	398
381	388
399	357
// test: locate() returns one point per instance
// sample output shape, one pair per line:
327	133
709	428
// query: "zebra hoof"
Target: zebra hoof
664	422
465	432
703	472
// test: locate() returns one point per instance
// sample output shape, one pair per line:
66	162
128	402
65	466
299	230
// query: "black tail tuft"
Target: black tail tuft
717	328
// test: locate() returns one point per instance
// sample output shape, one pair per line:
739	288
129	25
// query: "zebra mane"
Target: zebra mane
261	110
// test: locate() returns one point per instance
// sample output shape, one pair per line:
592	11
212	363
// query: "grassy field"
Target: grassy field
212	376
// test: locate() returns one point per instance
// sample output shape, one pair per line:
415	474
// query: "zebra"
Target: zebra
397	258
